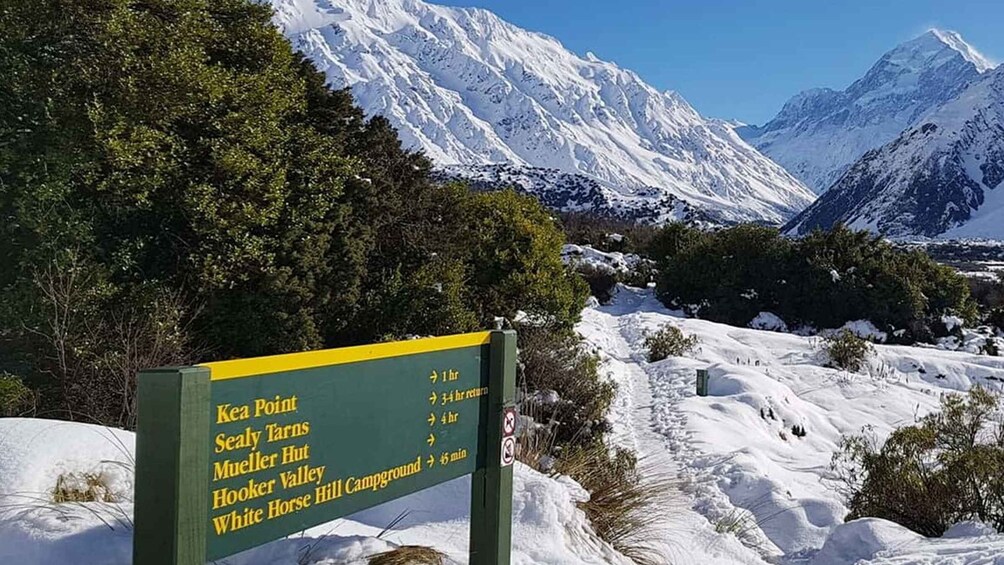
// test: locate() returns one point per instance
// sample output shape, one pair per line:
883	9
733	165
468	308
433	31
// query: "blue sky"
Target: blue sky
744	58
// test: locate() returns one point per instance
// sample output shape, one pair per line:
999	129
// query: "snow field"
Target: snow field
748	491
548	527
747	473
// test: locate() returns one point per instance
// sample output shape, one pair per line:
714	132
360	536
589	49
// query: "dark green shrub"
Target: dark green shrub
670	240
641	274
563	386
16	399
996	319
926	477
669	341
214	168
601	281
583	228
988	293
847	351
823	280
728	276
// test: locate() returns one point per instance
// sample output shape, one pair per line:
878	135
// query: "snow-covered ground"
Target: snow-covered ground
750	492
612	262
743	469
548	527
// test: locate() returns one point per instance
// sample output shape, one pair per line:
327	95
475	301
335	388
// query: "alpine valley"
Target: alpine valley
490	102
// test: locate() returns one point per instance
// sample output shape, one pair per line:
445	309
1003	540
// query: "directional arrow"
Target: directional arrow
432	440
434	377
432	398
432	419
431	461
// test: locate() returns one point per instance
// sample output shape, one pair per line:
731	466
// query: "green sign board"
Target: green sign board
234	454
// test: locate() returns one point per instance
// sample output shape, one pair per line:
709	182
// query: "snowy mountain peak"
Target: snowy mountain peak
472	90
942	177
929	52
969	53
820	132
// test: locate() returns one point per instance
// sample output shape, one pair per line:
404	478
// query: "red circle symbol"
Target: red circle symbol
508	451
509	422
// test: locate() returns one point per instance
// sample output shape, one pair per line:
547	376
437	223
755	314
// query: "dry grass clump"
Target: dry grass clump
628	501
83	487
409	555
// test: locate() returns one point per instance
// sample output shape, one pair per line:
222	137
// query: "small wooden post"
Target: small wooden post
702	382
491	487
172	462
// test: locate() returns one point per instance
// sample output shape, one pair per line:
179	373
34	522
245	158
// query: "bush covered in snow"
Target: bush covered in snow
943	470
602	270
768	321
845	350
562	388
822	280
669	341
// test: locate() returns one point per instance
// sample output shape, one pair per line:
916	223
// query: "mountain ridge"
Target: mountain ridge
472	90
820	133
942	178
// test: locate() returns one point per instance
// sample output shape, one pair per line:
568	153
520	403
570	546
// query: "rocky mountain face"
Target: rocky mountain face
570	192
942	177
476	92
821	133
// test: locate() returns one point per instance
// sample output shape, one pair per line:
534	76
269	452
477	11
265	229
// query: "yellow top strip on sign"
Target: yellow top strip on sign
237	368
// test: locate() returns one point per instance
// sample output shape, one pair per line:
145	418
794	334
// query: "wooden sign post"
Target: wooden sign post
702	382
234	454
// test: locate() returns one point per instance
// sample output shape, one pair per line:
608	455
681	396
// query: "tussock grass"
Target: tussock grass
629	501
747	520
81	494
83	487
409	555
738	522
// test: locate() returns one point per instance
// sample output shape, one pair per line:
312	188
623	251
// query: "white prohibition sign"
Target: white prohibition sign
509	422
508	451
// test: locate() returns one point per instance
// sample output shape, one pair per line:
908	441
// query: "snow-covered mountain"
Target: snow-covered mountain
943	177
820	133
473	90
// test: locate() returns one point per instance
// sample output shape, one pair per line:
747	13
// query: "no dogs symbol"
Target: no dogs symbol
509	422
